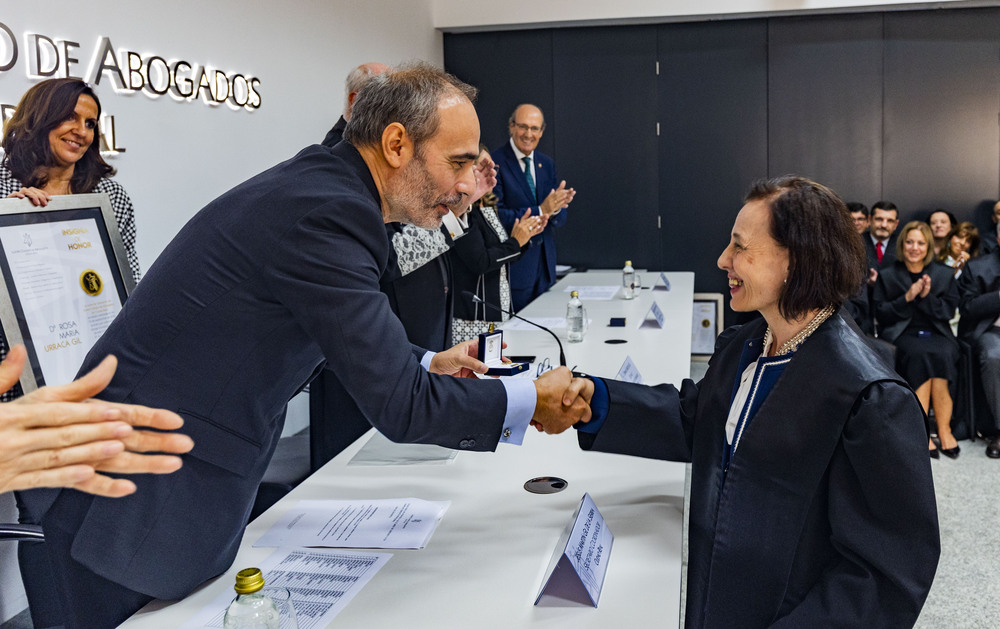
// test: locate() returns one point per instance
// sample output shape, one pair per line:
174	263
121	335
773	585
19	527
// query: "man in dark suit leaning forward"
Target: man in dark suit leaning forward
526	180
262	288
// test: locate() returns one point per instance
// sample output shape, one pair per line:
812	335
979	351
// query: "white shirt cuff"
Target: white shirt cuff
521	399
425	362
453	225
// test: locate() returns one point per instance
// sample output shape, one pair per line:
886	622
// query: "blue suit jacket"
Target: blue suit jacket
513	198
261	288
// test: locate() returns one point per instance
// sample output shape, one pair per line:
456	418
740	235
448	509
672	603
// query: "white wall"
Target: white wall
460	15
178	155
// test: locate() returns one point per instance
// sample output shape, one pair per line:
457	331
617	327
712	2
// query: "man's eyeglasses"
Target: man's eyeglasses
524	127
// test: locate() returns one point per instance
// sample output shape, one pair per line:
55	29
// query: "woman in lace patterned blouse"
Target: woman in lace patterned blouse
479	264
50	148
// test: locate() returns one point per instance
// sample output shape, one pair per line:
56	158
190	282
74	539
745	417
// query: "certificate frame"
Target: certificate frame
703	346
60	209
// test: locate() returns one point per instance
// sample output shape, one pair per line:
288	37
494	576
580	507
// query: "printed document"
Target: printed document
393	523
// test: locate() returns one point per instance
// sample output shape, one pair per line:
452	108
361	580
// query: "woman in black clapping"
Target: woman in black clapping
480	261
914	300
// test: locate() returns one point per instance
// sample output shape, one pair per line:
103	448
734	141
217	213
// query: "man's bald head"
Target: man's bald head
356	80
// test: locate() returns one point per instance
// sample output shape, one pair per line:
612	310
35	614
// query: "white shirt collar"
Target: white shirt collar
519	154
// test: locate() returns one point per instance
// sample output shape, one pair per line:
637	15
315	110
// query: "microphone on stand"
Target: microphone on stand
476	299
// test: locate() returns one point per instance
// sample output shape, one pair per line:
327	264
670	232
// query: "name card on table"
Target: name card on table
657	319
629	372
576	571
662	283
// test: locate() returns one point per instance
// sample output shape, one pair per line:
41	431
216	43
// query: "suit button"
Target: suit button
472	443
464	443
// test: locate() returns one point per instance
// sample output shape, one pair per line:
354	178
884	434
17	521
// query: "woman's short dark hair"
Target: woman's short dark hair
826	258
952	221
409	95
27	153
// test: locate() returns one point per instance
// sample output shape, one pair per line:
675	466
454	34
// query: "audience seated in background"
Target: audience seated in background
860	216
915	298
979	306
989	244
941	223
962	244
858	306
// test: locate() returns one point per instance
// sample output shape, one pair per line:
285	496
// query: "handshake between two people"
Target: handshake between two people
561	400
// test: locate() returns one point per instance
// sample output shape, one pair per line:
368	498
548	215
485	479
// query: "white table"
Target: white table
484	565
661	355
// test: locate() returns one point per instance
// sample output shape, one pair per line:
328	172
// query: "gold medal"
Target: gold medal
91	282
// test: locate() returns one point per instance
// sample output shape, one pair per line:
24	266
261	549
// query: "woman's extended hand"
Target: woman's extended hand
59	437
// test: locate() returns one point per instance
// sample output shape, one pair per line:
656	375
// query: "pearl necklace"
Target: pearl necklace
793	343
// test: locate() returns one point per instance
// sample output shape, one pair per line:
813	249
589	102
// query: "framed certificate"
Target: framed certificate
65	278
706	325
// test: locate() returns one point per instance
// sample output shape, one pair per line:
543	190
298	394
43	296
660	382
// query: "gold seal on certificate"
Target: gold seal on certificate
91	282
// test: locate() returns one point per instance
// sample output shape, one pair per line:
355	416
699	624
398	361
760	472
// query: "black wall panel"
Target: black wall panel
942	101
825	102
898	105
605	146
508	68
713	138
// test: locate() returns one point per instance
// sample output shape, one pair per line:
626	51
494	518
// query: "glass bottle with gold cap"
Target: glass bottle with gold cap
575	315
251	609
628	281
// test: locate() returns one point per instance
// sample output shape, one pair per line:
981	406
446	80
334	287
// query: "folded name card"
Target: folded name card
576	571
629	372
662	283
654	318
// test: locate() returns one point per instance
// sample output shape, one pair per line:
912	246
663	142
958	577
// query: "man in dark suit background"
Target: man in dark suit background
527	179
265	286
979	306
356	79
859	305
880	247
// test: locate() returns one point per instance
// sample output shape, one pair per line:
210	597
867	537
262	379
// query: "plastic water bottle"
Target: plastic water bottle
628	280
574	318
251	609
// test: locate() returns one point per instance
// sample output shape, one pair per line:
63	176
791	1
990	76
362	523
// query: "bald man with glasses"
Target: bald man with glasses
526	179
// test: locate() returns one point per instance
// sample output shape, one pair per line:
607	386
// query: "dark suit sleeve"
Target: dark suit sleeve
327	276
883	519
976	300
651	422
890	302
474	253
